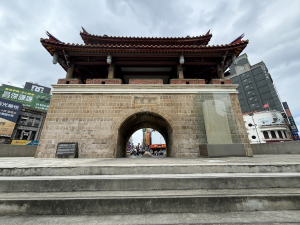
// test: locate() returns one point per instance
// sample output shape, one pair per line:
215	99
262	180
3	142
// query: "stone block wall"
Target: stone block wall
104	81
187	81
145	81
69	81
220	81
93	120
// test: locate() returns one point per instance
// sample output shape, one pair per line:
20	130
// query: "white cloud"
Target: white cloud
272	28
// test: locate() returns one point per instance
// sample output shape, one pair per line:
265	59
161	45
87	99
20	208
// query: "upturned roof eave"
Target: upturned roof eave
133	48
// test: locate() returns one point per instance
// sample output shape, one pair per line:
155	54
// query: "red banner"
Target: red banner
266	105
288	112
158	146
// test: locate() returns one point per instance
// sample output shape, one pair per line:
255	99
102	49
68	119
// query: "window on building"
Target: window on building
32	136
273	134
23	120
250	124
25	135
37	122
18	134
30	121
253	137
266	135
280	134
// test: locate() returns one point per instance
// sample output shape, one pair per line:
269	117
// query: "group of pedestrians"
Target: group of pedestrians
137	151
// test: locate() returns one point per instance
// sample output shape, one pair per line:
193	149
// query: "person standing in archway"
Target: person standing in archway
138	149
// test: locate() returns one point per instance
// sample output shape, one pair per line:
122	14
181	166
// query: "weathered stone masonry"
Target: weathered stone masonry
93	120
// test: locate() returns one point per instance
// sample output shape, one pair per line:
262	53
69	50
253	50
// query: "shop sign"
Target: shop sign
26	97
37	88
288	112
9	112
24	142
294	130
292	121
285	105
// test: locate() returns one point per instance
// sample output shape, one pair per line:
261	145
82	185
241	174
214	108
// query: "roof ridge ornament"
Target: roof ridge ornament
52	38
207	32
238	40
84	31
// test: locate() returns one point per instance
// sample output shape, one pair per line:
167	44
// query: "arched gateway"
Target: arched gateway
140	120
116	85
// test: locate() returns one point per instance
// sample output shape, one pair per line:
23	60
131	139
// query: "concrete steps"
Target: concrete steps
149	169
183	201
157	189
149	182
132	194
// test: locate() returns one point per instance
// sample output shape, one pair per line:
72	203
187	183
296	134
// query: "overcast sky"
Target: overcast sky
272	28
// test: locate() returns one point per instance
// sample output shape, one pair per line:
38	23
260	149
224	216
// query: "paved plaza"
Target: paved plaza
25	162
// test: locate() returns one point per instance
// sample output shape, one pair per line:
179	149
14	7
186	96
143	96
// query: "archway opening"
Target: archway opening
141	120
148	141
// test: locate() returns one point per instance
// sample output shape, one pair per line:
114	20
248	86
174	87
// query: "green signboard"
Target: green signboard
26	97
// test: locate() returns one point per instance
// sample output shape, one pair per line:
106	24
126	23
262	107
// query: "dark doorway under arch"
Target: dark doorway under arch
140	120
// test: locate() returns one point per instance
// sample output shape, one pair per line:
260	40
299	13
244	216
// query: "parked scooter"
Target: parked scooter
133	152
141	151
155	152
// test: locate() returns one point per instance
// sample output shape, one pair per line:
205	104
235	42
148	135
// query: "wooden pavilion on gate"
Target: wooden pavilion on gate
121	60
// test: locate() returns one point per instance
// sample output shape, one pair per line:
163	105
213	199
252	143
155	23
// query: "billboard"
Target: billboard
24	142
147	138
25	97
271	121
9	112
285	105
291	119
37	88
158	146
288	112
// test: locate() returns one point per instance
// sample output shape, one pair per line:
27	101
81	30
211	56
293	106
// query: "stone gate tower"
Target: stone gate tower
117	85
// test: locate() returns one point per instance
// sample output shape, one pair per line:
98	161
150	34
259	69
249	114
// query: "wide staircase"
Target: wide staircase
157	194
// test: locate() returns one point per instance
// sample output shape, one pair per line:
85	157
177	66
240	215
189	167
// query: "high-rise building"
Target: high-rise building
256	87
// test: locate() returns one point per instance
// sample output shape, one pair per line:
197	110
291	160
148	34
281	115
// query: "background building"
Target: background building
256	90
267	126
256	86
29	125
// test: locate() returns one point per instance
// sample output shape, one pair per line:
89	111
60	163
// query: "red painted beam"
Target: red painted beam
145	63
200	63
146	73
147	55
91	63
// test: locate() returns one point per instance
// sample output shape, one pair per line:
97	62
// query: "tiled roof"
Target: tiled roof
146	38
141	47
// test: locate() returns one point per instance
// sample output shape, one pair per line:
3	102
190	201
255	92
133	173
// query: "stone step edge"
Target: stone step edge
152	194
155	176
148	205
111	170
136	183
285	217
